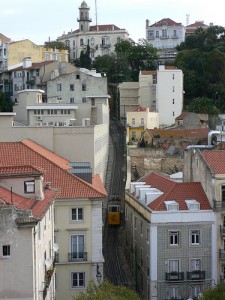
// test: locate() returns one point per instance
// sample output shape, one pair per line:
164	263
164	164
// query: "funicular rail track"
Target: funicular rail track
114	270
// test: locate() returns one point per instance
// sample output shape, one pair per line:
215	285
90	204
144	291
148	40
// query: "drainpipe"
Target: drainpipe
35	264
214	132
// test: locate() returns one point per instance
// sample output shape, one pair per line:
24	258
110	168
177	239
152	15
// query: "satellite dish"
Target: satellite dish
56	247
48	262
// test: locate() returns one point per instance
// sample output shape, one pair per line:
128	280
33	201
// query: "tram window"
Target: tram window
113	208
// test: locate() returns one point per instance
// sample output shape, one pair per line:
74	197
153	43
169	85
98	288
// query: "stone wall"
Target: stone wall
144	160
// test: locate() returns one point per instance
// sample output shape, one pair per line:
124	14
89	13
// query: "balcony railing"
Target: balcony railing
175	276
219	205
196	275
106	46
136	125
164	37
222	254
77	256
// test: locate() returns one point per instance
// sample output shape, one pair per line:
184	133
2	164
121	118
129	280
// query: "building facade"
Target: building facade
100	38
170	229
28	252
77	211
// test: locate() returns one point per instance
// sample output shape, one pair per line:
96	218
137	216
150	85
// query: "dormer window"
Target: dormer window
193	204
172	205
29	187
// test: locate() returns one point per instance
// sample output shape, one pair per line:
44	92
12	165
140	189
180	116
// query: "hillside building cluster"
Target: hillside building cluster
54	150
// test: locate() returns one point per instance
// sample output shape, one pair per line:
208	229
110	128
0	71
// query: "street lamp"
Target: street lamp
98	275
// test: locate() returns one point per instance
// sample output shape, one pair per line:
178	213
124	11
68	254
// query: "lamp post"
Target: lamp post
98	274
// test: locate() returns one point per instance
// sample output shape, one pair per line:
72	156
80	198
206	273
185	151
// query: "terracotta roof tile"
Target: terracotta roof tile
178	191
215	159
138	108
38	207
108	27
197	24
54	166
148	72
168	21
20	170
37	65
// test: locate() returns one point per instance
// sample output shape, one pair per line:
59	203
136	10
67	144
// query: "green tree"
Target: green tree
5	103
85	60
216	293
57	45
202	59
106	290
203	105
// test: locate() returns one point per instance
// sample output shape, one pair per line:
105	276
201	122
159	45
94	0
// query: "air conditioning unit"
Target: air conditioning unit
86	122
60	123
39	118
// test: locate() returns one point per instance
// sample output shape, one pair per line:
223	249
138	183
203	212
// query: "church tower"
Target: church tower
84	20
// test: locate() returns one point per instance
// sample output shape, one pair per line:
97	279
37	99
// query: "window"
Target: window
59	87
172	205
71	100
78	279
142	121
141	228
195	265
157	34
133	121
84	88
151	34
71	87
78	76
6	250
141	257
77	247
173	89
92	41
223	192
174	238
105	41
173	265
174	33
173	76
135	222
164	33
84	100
81	42
173	101
195	237
133	135
195	291
29	187
173	113
77	214
173	293
147	234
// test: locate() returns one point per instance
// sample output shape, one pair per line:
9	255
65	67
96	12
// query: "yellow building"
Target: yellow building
140	119
18	50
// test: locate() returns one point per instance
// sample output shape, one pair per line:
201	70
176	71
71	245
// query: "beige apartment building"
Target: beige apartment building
77	220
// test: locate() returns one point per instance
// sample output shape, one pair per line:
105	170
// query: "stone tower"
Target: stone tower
84	19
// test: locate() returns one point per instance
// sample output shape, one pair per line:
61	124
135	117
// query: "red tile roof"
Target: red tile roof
148	72
180	133
38	207
166	21
178	191
215	159
138	108
36	65
54	166
20	170
197	24
108	27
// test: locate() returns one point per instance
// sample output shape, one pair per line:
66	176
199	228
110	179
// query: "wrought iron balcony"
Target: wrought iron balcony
175	276
196	275
106	46
219	205
222	254
77	256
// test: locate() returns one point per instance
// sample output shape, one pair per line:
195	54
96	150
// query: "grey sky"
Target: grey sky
38	20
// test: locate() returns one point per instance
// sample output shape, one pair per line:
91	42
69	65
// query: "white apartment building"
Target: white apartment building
27	248
169	94
160	91
101	38
165	34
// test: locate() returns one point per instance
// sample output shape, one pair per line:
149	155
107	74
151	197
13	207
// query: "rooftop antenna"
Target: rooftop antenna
96	14
187	19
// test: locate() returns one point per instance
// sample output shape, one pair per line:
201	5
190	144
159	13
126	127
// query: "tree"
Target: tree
202	59
216	293
5	103
57	45
106	290
203	105
85	60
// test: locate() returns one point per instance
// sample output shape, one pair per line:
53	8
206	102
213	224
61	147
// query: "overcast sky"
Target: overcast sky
38	20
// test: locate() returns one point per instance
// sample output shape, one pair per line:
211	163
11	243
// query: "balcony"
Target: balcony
106	46
175	276
175	37
222	254
136	125
219	205
77	256
196	275
164	37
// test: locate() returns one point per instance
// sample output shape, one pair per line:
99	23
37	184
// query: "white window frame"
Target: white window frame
195	264
195	237
79	280
174	237
77	212
29	187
